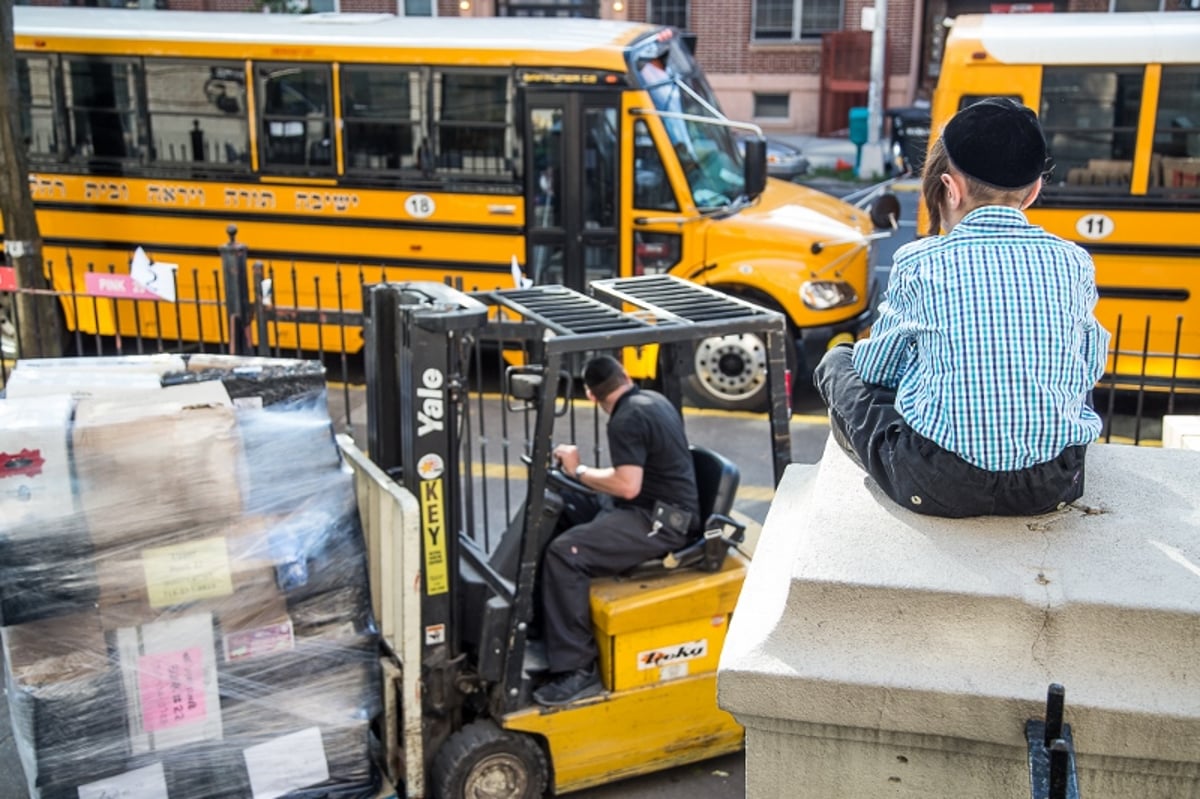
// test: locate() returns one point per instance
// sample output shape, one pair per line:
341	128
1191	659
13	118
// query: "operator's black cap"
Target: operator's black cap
600	370
997	141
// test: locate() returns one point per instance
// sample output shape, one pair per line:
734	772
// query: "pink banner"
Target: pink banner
171	685
8	278
122	287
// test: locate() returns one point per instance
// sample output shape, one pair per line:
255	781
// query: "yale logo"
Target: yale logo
432	409
676	653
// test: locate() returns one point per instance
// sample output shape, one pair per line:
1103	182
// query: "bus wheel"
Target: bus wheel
482	761
730	372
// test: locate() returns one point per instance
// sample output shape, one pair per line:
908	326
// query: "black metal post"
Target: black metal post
237	294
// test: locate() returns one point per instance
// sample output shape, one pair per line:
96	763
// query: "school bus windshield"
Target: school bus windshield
706	150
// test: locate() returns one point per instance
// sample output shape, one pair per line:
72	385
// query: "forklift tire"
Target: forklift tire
482	761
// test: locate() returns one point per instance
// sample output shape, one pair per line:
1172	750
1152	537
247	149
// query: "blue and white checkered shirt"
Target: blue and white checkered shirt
989	338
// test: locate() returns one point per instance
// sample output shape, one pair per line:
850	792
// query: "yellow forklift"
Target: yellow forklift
459	497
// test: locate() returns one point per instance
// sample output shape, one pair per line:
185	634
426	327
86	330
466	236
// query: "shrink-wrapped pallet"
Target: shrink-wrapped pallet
184	596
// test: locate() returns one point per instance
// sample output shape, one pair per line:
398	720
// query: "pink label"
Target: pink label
8	278
263	641
102	284
171	685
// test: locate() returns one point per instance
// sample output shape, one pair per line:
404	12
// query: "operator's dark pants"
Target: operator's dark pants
917	473
612	542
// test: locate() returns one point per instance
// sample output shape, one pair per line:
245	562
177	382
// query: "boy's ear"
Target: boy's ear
1033	194
955	190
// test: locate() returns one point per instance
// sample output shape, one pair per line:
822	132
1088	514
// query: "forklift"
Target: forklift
460	495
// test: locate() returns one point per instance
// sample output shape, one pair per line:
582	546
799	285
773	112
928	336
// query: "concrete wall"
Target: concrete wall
878	653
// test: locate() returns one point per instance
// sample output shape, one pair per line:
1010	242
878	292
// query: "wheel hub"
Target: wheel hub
500	776
733	366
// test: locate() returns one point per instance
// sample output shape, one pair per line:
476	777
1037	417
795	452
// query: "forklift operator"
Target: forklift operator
651	468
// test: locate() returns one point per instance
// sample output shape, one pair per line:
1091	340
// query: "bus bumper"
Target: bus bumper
815	341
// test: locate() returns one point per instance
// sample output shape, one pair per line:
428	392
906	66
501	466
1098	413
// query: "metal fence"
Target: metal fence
246	307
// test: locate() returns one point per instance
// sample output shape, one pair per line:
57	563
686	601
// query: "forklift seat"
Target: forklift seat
717	479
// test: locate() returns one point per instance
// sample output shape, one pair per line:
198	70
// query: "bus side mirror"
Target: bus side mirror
754	161
885	211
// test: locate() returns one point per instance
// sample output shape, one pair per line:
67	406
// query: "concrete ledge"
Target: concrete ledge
892	633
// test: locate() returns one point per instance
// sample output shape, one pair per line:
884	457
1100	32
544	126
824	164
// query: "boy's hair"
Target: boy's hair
998	143
933	191
603	375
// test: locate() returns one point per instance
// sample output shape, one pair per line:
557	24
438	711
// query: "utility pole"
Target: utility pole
36	315
872	160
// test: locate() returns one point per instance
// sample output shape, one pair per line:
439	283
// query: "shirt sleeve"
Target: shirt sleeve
1095	344
889	352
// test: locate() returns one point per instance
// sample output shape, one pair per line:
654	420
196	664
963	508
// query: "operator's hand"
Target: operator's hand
567	456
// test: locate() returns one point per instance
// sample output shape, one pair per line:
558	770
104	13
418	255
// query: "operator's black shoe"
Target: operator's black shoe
568	686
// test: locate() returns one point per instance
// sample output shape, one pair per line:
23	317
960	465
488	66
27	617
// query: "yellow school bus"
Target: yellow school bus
349	146
1119	98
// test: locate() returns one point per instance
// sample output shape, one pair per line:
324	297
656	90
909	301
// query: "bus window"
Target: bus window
196	117
651	188
1176	159
296	126
101	100
472	122
600	166
35	82
382	113
1090	118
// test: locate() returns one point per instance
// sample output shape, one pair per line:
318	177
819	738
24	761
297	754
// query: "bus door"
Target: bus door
572	190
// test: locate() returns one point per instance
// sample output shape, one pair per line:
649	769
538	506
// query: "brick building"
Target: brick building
793	66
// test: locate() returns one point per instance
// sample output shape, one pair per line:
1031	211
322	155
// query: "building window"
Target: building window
770	106
792	20
668	12
416	8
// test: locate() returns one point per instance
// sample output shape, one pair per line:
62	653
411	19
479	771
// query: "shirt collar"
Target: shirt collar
991	217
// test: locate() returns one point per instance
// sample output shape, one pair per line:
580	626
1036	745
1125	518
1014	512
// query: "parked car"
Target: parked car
783	160
909	139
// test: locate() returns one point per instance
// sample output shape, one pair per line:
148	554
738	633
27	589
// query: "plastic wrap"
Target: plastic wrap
183	584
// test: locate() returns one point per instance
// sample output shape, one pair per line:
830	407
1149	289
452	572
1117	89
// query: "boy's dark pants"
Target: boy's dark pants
920	475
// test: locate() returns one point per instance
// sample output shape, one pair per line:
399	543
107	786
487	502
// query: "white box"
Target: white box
35	468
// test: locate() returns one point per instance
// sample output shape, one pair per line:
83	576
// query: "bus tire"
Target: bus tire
483	760
730	372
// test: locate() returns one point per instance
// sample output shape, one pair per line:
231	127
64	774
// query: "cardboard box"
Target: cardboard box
64	693
35	466
212	565
153	467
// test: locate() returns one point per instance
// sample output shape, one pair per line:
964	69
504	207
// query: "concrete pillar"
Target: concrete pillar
878	653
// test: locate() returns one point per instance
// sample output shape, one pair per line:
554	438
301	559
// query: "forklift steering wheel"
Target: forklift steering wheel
563	480
560	478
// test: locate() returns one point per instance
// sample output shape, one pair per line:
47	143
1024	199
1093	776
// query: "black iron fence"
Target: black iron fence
246	307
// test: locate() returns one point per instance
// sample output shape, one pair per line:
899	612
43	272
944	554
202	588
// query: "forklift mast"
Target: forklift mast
421	353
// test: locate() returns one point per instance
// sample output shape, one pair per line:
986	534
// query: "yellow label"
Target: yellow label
187	572
433	525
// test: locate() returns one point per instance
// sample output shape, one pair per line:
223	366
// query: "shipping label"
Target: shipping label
286	764
142	783
246	644
171	686
187	572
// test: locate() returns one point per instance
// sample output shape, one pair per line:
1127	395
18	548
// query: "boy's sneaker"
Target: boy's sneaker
568	686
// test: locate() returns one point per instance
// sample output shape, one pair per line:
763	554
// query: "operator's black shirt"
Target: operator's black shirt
646	430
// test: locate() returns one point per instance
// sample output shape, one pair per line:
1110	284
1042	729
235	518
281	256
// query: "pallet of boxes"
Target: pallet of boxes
183	582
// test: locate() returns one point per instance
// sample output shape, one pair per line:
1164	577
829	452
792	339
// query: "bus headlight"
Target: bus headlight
821	295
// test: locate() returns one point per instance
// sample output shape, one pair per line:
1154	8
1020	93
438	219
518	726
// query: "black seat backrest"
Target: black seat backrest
717	478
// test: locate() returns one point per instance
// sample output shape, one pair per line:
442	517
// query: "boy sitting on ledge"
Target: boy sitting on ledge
972	395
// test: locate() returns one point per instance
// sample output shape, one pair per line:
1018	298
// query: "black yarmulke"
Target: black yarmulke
997	141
